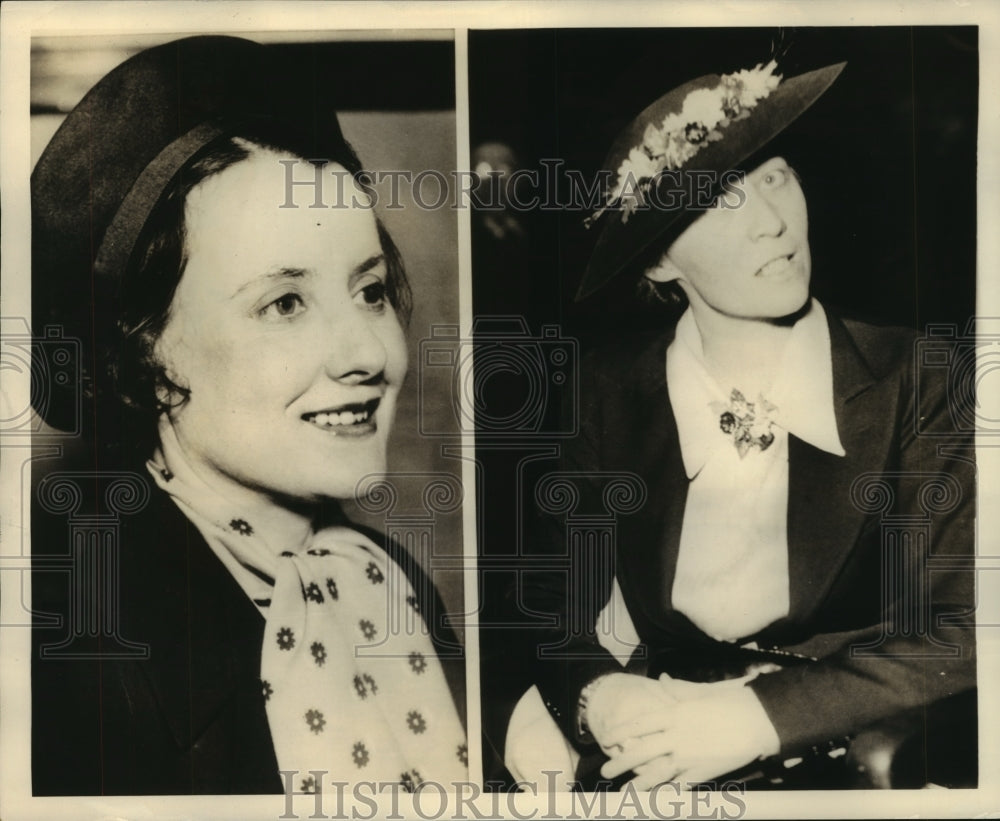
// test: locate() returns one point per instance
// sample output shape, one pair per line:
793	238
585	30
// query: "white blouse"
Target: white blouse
732	567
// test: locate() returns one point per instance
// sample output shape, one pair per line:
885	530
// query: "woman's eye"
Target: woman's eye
284	306
374	295
775	177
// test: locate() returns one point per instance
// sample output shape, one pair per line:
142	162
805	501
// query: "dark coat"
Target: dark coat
190	717
880	648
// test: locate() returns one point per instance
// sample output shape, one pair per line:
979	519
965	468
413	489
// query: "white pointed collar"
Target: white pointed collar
802	391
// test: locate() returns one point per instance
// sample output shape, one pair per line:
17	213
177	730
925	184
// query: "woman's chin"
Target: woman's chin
319	480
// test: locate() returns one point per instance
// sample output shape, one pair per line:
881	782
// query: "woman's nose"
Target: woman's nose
765	215
355	351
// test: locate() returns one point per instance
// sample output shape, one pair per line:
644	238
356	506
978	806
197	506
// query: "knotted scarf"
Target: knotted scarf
352	684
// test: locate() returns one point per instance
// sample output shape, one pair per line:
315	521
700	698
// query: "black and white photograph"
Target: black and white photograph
746	540
235	521
486	410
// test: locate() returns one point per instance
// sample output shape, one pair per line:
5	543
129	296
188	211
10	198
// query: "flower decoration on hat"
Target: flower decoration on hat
671	143
748	423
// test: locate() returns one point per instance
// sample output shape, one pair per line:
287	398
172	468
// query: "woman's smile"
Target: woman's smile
781	266
356	419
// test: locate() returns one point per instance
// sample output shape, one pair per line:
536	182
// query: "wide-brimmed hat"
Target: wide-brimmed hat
670	162
117	152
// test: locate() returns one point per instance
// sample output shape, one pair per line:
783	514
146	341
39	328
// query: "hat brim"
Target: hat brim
621	242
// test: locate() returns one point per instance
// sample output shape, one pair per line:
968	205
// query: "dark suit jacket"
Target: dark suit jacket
897	509
190	718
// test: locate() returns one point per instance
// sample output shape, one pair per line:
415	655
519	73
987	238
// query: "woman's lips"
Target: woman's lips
776	267
355	419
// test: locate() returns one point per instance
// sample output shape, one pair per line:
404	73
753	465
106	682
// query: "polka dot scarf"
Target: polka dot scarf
350	678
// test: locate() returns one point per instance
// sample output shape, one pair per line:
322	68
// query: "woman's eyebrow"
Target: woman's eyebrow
298	273
273	276
368	264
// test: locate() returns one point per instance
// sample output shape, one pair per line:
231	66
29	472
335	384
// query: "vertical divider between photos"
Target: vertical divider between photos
468	445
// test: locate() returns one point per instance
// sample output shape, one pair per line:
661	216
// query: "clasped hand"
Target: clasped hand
669	729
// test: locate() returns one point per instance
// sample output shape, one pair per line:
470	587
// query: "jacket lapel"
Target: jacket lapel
204	633
645	441
823	522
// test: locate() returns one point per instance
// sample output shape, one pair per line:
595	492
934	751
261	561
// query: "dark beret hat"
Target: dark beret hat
706	152
104	171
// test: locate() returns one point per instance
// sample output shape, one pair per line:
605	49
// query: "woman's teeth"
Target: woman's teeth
330	420
775	266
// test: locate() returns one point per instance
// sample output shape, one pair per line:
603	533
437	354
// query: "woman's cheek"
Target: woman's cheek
393	338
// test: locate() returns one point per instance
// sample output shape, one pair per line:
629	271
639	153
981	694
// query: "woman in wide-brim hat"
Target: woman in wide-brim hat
771	440
241	363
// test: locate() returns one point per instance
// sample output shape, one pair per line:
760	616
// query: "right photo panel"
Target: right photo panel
724	289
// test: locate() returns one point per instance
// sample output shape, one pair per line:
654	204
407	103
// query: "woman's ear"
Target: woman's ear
170	392
664	270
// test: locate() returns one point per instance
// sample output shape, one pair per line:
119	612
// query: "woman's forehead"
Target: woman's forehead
240	224
760	167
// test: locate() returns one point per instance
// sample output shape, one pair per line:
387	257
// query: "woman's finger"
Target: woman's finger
658	771
621	698
648	724
637	751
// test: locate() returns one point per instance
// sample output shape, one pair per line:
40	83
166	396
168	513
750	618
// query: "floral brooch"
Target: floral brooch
748	423
704	114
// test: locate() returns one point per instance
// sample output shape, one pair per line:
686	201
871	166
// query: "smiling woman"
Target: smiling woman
287	323
243	366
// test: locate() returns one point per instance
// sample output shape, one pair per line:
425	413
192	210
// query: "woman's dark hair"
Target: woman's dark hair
667	293
155	270
659	297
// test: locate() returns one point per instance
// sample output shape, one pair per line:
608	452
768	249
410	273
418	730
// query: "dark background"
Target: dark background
888	162
887	155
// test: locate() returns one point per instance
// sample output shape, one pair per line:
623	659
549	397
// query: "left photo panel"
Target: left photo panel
246	550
